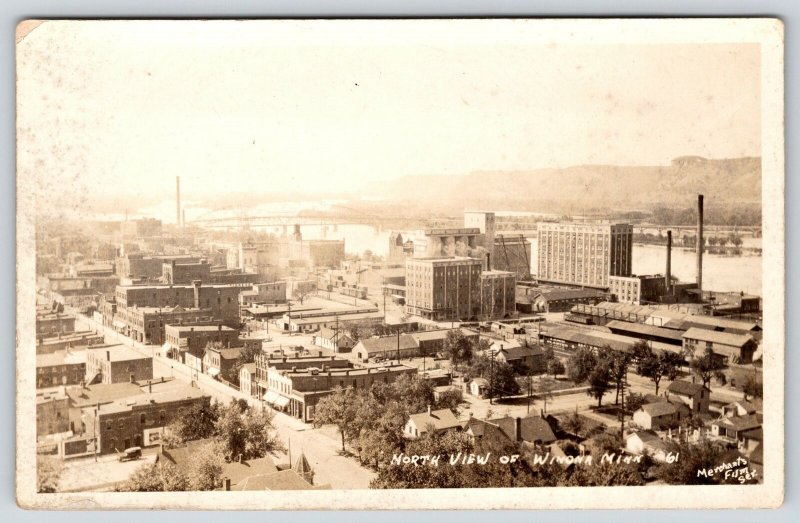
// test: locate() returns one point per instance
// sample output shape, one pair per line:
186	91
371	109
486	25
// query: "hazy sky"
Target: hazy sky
111	107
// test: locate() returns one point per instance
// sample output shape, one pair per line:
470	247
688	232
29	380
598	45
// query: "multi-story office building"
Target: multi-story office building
637	289
584	254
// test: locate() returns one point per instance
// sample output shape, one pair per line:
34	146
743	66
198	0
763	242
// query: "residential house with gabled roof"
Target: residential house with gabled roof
739	430
441	420
532	430
738	408
696	396
336	340
646	442
656	416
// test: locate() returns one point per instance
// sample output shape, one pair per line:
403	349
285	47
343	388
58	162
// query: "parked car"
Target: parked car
131	454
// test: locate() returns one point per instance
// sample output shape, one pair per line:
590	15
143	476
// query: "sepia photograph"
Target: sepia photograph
400	264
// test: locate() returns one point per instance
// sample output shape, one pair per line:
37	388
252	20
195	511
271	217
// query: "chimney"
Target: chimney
700	244
108	355
488	261
178	201
517	429
668	274
196	285
227	483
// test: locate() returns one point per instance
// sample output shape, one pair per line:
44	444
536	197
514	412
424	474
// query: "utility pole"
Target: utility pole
491	378
398	345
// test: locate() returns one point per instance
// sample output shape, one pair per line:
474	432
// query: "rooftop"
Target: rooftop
388	344
685	388
659	408
441	419
60	357
116	353
723	338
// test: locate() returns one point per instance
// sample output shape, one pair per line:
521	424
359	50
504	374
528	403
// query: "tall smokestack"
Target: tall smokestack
183	218
668	275
178	200
700	244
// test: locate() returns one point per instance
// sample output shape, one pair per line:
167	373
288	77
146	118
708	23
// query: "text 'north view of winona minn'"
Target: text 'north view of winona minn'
286	267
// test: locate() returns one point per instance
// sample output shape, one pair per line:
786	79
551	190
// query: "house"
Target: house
432	342
441	420
337	341
218	362
695	396
738	408
479	387
656	416
247	379
736	348
532	430
646	442
386	347
521	358
737	429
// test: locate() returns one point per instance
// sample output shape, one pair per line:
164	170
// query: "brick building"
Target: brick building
297	391
116	364
584	254
54	323
637	289
63	367
52	413
139	420
456	288
195	338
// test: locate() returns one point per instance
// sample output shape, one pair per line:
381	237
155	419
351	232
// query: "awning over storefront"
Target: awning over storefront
213	371
281	401
119	324
271	396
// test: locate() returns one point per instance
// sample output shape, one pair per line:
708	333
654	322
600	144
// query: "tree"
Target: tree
198	423
383	438
635	401
605	474
553	364
658	366
48	473
245	433
753	387
301	294
247	355
707	367
205	471
339	409
691	459
580	365
450	399
599	382
501	375
457	347
617	362
573	424
156	477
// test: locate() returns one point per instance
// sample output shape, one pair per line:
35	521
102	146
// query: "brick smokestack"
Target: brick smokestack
700	244
668	274
178	200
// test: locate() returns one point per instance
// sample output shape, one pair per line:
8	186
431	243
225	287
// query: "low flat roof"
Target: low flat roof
116	353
